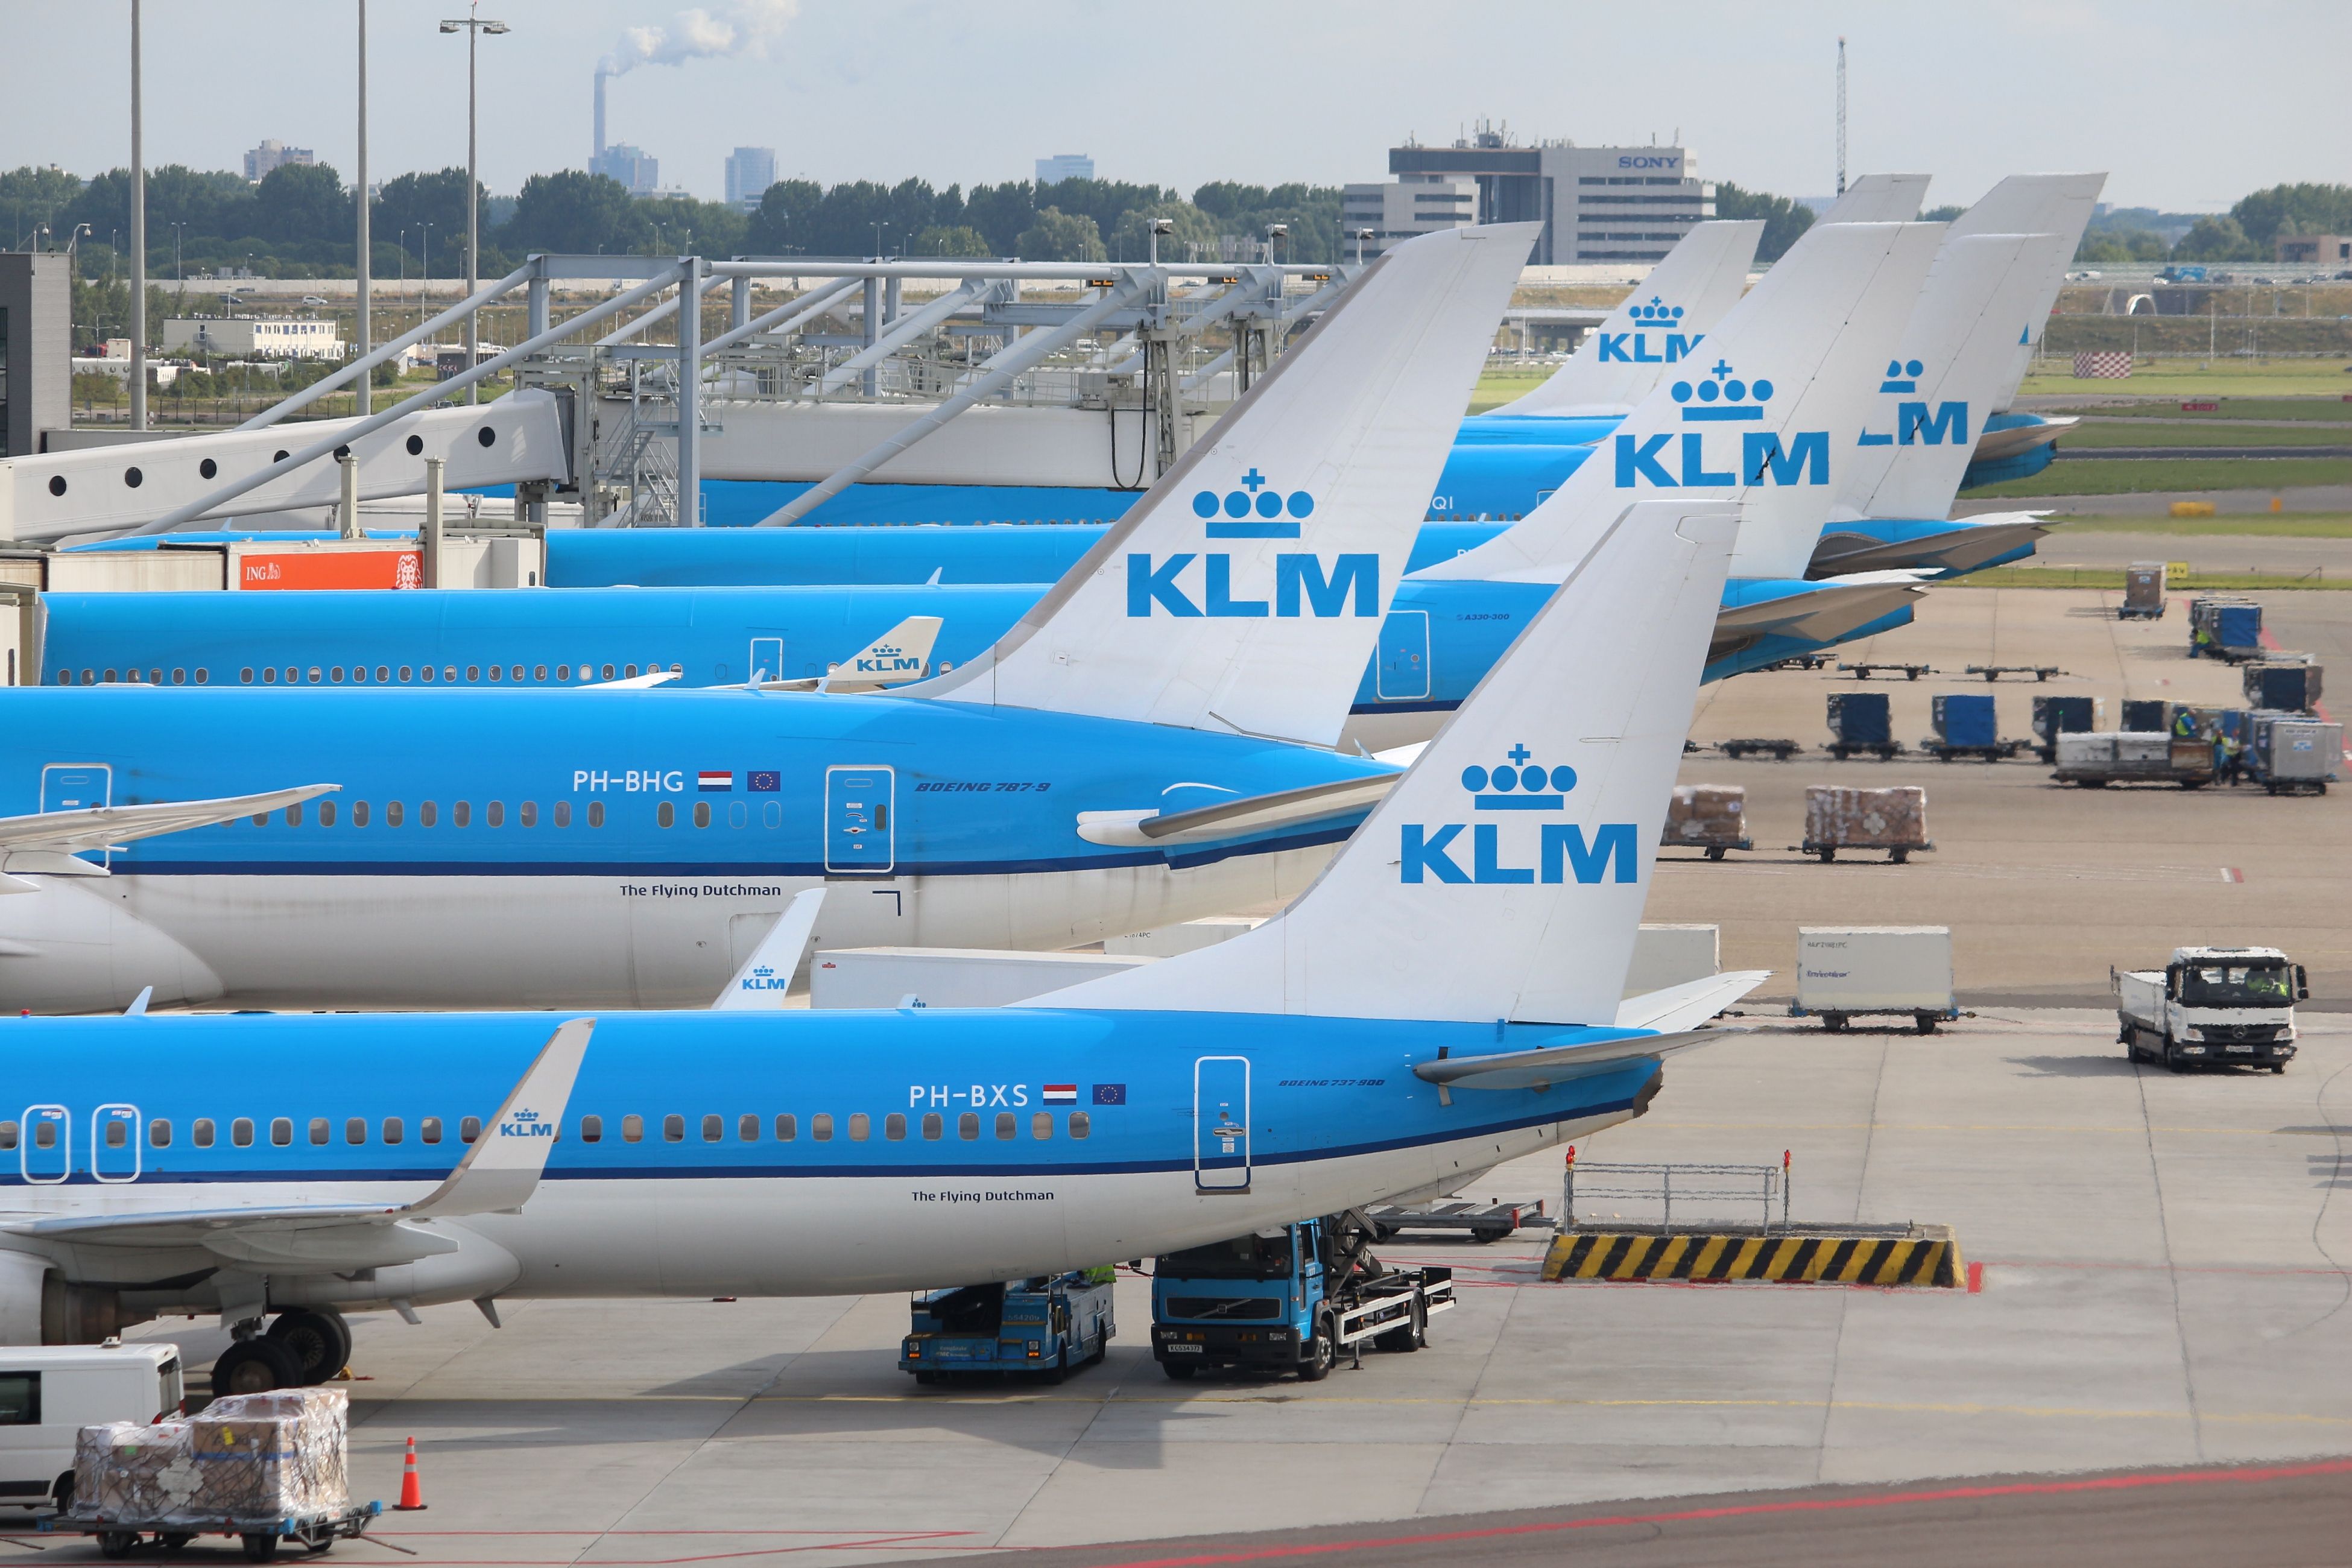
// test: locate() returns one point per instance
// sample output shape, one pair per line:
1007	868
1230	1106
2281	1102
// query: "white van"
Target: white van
49	1393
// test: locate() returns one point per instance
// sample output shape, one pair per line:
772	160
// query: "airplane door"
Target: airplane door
859	839
45	1157
76	787
1404	657
1221	1108
767	654
114	1143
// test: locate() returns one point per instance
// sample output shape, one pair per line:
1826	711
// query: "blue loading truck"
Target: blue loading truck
1040	1327
1289	1299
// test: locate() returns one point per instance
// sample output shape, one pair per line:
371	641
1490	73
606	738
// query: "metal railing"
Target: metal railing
1705	1186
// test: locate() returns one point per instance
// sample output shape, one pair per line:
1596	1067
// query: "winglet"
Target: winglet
899	654
502	1168
759	984
1689	1005
138	1008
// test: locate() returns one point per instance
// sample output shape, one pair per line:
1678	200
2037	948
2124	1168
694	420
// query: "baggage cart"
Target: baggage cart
2290	753
1484	1222
1709	818
1778	749
1995	671
1864	671
261	1537
1840	817
2143	592
1860	721
2099	758
1851	971
2225	626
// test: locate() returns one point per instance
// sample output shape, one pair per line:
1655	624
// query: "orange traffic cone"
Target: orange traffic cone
411	1491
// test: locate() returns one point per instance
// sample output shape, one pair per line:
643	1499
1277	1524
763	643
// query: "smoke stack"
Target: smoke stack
601	74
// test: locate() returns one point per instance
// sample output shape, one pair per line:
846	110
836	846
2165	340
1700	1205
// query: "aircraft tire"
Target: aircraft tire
256	1366
321	1340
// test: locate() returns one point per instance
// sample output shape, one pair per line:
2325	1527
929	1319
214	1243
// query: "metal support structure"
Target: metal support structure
430	537
347	501
363	391
872	321
739	303
998	370
690	392
464	380
661	312
784	317
320	388
536	306
900	329
138	236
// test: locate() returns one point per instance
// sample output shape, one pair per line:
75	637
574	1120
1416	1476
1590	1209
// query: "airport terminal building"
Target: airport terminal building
1596	204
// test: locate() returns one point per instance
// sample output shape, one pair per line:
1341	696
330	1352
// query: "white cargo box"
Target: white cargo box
2116	748
1872	969
2303	749
1167	941
1667	955
949	976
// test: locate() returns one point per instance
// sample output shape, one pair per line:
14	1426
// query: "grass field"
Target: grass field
2197	378
1497	388
2096	433
2111	577
2316	410
2133	476
2250	525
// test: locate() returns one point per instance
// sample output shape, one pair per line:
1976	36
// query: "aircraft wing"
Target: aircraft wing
1824	614
1967	544
900	655
1689	1005
1232	818
1556	1063
759	984
632	682
63	833
497	1174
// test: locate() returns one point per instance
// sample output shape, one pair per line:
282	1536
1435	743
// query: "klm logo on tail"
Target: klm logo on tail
1560	848
1303	586
884	659
1915	424
1658	317
1766	457
765	978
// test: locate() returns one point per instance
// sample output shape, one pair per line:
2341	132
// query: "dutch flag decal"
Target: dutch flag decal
719	781
1061	1094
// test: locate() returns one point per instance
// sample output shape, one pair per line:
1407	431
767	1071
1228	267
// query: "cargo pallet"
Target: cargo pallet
2139	613
1885	751
1485	1222
1865	671
314	1532
1943	751
1835	1019
2294	786
1995	671
1781	750
1897	854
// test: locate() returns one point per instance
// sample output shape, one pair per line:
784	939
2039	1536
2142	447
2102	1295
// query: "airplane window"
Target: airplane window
179	677
747	1128
201	1131
317	1130
359	814
382	674
562	814
860	1124
428	813
7	1135
159	1133
314	675
294	814
336	675
608	672
1080	1124
86	678
355	1130
110	678
633	1127
1041	1125
115	1136
968	1126
1004	1127
65	677
595	813
496	673
932	1125
673	1129
281	1130
449	672
468	1129
429	1130
495	814
45	1135
772	815
241	1132
702	813
630	670
268	677
392	814
359	672
894	1127
563	672
517	672
154	677
714	1126
461	813
821	1127
737	814
326	813
393	1130
592	1130
677	670
787	1128
473	672
204	676
538	671
527	814
665	815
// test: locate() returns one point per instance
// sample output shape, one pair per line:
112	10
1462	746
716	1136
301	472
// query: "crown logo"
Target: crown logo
1657	315
1256	511
763	972
526	1116
1519	784
1902	376
1722	398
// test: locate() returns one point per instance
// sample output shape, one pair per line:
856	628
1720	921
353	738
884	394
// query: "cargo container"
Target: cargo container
1860	721
1839	817
2056	716
1964	724
1709	818
2225	627
2102	757
2283	686
2143	592
2146	715
1846	971
2290	754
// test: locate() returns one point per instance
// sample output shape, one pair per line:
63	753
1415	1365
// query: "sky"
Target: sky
2186	103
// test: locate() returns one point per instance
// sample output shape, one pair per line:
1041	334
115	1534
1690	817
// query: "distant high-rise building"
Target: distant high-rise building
633	166
274	154
1596	204
1064	166
750	172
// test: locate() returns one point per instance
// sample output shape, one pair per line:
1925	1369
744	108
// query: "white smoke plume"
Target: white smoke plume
744	27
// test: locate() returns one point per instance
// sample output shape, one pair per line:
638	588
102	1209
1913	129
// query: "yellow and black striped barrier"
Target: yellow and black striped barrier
1925	1255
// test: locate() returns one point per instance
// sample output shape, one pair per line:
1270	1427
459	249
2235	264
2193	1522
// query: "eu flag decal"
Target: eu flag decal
763	780
1110	1094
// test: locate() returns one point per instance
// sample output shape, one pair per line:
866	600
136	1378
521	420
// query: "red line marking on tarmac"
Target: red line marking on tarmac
2246	1476
2232	874
866	1543
1976	1278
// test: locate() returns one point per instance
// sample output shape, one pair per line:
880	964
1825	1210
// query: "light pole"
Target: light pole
176	228
138	241
473	25
877	239
424	273
360	201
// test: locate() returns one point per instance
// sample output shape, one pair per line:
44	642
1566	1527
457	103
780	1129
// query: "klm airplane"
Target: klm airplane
1446	997
1106	766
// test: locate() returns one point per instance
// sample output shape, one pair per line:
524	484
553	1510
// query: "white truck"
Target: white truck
2226	1006
49	1393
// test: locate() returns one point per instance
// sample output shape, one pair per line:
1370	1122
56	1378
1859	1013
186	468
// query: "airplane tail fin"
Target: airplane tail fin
1877	198
1764	416
898	656
767	975
2033	203
1245	592
1504	875
1659	324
